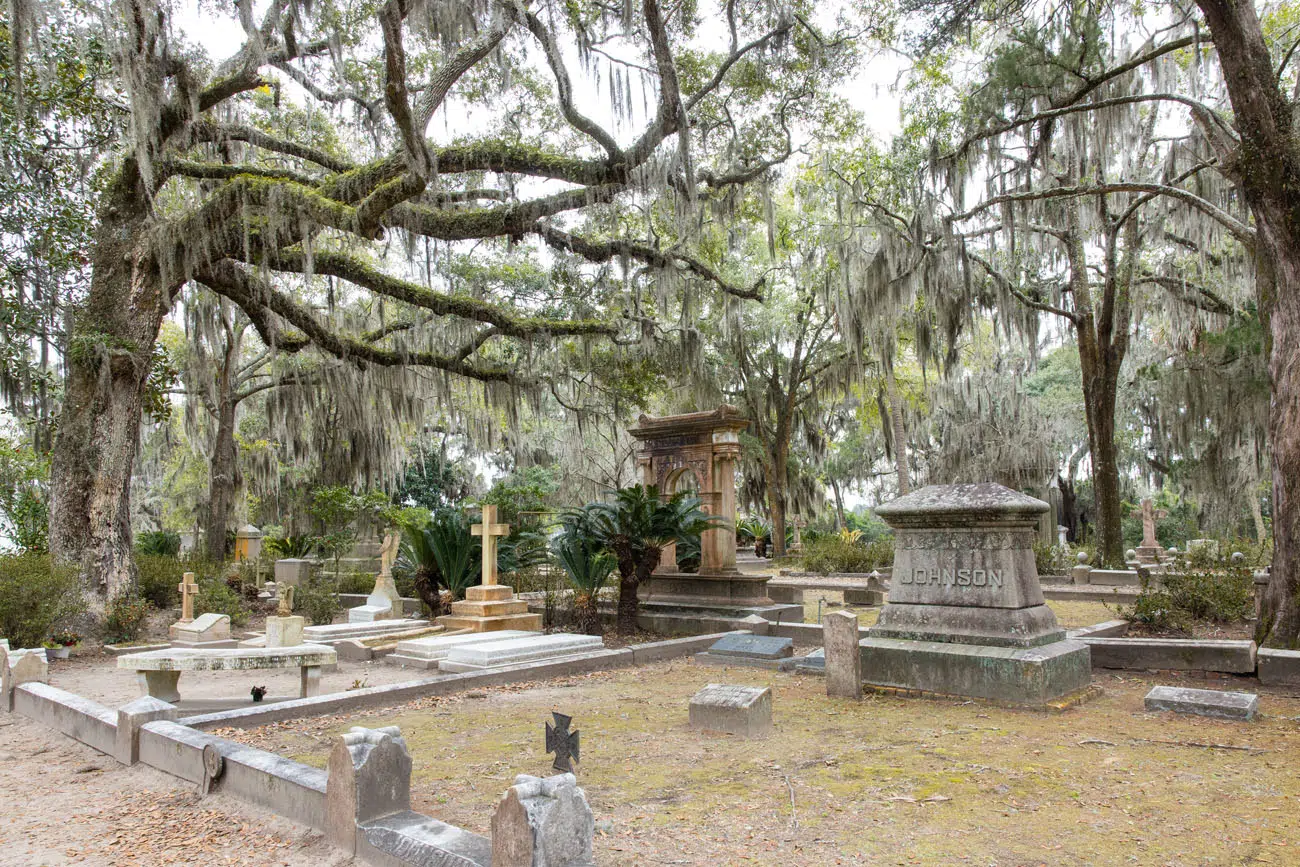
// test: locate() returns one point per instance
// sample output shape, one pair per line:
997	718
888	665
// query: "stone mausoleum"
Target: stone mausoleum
966	615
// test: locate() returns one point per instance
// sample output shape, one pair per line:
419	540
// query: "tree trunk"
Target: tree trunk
629	586
1100	398
108	358
776	499
221	480
1069	507
839	505
1269	167
899	433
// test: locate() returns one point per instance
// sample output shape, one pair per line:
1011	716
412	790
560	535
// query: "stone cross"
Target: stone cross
188	591
388	553
562	742
490	530
1149	515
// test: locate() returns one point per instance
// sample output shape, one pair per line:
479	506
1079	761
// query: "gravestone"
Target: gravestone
369	777
1203	702
966	615
284	631
736	710
813	663
564	743
18	667
384	602
843	656
208	630
754	651
1149	551
543	823
490	607
516	651
294	571
428	652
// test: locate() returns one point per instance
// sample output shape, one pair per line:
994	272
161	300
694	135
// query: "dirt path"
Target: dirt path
65	803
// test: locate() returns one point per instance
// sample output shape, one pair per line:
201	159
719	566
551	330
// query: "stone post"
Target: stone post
131	718
543	823
1081	572
843	656
369	777
726	449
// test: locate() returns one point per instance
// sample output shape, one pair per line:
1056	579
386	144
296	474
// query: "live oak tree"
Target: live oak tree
221	183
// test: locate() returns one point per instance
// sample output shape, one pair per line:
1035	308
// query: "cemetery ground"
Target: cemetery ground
885	781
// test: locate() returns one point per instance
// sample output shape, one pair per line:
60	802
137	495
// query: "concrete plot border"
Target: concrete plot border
1112	648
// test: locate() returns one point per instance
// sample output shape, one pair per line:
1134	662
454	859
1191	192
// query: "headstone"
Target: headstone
369	777
284	631
843	656
543	823
428	652
189	590
737	710
516	651
754	651
131	717
207	630
294	571
18	668
1203	702
813	663
562	742
966	615
490	607
384	602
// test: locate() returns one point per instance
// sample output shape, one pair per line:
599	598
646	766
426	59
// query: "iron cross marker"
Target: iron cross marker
490	530
562	742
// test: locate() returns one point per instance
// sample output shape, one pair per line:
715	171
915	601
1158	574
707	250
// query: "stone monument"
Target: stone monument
285	628
966	615
384	602
248	544
210	630
1149	551
697	452
490	606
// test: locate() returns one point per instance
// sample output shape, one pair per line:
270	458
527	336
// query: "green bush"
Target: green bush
1050	559
124	619
838	554
35	597
159	580
1219	594
215	596
1154	608
317	600
159	543
357	582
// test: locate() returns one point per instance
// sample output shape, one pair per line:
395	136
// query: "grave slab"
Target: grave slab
428	652
739	710
341	631
751	651
1203	702
513	651
813	663
208	630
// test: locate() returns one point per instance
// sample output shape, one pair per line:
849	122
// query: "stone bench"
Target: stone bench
159	671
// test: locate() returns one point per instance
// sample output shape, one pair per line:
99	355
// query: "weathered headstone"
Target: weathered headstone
294	571
131	717
966	615
189	590
369	777
543	823
206	630
17	668
737	710
1149	551
1203	702
284	631
753	651
384	602
843	656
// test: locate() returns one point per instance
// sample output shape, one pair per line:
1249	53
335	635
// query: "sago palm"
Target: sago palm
587	563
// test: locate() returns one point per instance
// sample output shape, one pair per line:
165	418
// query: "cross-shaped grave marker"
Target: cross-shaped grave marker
490	530
1149	516
188	591
562	742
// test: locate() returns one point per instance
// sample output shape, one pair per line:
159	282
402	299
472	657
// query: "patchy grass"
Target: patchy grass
883	781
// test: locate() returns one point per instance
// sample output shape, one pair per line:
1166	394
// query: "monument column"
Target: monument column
718	548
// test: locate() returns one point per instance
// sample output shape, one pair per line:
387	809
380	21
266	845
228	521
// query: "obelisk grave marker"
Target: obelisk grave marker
966	615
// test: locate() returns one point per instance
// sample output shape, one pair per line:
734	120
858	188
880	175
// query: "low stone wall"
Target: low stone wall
286	787
1174	654
78	718
1278	667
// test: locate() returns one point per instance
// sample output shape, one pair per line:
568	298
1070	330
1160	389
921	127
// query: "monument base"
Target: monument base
1030	676
1032	626
491	608
1149	555
726	590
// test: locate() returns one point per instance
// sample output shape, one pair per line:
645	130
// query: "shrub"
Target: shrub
124	619
838	554
159	580
317	600
158	543
1050	559
357	582
35	596
217	597
290	547
1223	595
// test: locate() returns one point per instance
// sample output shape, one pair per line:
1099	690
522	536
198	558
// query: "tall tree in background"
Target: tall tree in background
208	190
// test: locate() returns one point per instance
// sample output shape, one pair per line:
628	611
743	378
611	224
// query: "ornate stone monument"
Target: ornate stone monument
1149	551
966	615
490	606
697	452
384	602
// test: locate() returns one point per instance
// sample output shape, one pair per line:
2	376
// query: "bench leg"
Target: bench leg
310	681
161	684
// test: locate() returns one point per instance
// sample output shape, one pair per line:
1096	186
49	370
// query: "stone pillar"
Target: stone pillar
543	823
843	656
131	718
369	777
720	545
